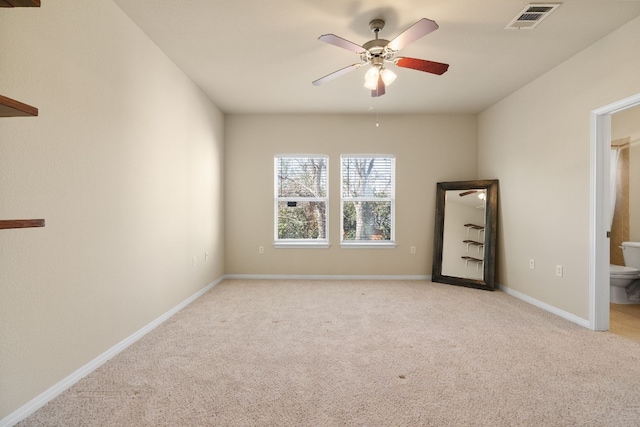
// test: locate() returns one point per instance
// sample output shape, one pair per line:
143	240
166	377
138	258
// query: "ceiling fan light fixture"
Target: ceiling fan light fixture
388	76
371	78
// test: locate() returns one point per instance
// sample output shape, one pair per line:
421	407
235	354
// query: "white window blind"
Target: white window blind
368	198
301	198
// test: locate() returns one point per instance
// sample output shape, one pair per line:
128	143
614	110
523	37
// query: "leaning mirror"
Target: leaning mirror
464	250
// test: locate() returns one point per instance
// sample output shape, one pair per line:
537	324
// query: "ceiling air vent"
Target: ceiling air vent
531	16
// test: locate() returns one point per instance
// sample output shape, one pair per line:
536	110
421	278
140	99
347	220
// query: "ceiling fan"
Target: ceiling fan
377	52
482	194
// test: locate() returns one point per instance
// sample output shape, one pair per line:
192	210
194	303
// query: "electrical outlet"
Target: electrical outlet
413	250
559	270
206	256
532	263
193	261
260	249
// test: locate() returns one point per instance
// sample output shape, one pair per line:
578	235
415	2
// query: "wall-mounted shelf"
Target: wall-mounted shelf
478	228
20	223
478	245
474	226
12	108
19	3
477	261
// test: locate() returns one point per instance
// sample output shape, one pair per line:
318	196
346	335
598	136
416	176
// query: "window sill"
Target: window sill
301	245
368	245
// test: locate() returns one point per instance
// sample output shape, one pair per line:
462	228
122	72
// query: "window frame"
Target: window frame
300	243
369	244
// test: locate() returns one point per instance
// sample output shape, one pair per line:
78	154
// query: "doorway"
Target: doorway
599	213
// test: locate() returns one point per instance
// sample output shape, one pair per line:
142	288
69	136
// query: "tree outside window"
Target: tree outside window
301	198
368	198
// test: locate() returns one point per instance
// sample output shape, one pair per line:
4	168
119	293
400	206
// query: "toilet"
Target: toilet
621	277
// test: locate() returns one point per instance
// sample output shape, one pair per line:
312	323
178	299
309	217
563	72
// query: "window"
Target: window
301	198
368	192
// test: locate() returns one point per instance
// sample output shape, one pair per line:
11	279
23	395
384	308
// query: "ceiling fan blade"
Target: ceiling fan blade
466	193
340	42
413	33
422	65
336	74
379	90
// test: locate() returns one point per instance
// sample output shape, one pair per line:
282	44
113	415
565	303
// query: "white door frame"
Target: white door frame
599	221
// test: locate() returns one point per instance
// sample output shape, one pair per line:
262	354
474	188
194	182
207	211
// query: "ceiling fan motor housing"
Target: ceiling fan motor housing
377	50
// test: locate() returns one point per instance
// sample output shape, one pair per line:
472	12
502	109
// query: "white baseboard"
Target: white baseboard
45	397
320	277
543	305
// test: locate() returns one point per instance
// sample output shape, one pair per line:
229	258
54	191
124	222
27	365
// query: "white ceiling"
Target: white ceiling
257	56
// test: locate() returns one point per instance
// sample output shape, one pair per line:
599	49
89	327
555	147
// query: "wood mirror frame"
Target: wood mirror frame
490	232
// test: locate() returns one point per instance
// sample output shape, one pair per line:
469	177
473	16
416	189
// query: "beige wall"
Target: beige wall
537	142
125	165
627	124
428	149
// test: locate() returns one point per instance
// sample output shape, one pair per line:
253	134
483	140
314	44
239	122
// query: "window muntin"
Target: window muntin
301	199
368	199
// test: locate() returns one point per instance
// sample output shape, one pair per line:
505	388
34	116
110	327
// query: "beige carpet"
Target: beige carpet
359	353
